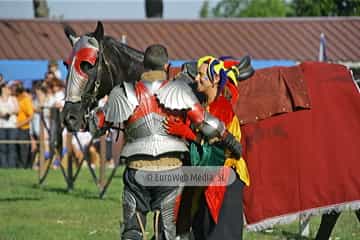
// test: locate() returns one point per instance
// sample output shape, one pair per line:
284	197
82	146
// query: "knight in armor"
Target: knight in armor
140	109
218	209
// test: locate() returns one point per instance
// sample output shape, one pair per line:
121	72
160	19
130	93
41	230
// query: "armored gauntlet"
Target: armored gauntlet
232	144
97	123
212	127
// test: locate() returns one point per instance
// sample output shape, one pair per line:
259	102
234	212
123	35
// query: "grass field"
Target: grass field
30	212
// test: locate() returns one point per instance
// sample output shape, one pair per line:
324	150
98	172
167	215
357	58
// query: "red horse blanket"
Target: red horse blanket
305	161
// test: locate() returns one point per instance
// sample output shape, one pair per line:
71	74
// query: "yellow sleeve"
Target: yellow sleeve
28	107
238	164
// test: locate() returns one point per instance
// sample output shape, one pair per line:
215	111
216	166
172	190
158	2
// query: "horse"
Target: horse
96	64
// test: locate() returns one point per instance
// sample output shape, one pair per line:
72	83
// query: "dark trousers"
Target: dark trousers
23	160
230	221
8	152
138	200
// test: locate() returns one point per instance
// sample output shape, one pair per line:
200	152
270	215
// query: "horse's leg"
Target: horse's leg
327	224
357	212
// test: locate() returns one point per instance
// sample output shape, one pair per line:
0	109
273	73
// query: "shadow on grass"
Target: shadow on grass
295	236
281	234
90	193
79	193
17	199
55	190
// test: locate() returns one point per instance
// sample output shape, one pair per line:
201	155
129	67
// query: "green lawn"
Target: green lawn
30	212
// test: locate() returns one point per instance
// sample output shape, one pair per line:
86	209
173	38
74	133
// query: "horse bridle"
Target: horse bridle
89	98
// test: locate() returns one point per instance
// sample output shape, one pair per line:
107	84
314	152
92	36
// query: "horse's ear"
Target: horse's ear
70	34
99	31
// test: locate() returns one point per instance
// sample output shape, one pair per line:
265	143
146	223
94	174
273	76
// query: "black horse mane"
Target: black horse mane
125	57
120	63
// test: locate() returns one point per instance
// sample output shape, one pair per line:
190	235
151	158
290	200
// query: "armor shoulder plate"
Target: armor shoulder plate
121	104
176	95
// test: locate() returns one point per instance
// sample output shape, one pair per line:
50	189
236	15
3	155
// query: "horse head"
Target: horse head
96	64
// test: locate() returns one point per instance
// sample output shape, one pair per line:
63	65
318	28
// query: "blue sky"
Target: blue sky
98	9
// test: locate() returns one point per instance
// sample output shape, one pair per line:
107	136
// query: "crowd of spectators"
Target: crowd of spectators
21	112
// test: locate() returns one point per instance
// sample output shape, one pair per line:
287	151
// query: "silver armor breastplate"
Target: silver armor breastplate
147	136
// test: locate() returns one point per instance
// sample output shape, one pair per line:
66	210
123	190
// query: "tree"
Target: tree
265	8
228	8
326	7
204	12
248	8
154	8
41	9
348	8
281	8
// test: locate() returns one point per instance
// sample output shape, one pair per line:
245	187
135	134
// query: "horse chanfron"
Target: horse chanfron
82	67
96	64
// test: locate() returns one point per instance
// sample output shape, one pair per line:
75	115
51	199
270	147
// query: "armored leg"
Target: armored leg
136	200
164	220
134	221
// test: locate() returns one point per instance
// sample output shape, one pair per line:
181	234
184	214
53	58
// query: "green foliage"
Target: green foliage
265	8
229	8
204	11
326	7
41	9
28	212
281	8
250	8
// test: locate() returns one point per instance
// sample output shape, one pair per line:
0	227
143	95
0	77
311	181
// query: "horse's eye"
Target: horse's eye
85	66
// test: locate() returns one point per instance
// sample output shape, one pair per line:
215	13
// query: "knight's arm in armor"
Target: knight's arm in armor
177	95
212	127
97	124
98	127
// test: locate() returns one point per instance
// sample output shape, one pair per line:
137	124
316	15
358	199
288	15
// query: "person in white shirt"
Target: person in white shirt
8	111
57	93
42	106
57	101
